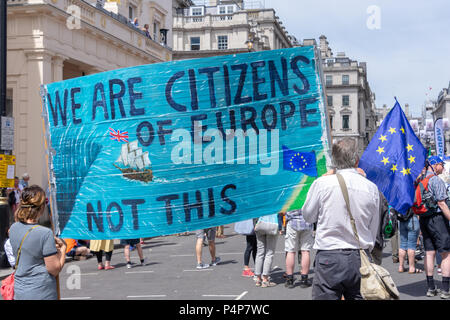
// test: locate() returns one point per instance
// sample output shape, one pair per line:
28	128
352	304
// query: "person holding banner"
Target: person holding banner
98	247
299	236
210	234
266	230
135	243
42	255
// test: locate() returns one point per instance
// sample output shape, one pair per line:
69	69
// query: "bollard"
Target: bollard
4	226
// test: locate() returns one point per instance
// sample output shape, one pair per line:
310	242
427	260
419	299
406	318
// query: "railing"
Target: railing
117	26
222	17
210	19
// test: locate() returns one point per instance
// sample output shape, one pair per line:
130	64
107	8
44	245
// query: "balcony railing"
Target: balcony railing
213	20
116	25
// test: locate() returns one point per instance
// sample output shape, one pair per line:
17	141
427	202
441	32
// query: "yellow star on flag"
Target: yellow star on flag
412	159
409	147
380	150
402	130
394	168
382	138
385	160
406	171
392	130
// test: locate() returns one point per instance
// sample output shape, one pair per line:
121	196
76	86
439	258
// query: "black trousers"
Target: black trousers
98	254
250	249
336	275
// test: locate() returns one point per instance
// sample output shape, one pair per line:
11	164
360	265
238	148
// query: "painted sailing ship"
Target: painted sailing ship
136	164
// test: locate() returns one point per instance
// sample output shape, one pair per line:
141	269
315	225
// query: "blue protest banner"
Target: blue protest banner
171	147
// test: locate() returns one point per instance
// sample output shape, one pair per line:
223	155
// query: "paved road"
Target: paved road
170	274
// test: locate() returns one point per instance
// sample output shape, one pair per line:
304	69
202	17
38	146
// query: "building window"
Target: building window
225	9
330	101
345	122
367	122
345	101
156	30
197	11
331	122
329	80
345	79
195	43
222	42
130	12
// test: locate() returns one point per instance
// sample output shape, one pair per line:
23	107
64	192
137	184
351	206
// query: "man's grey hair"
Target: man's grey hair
344	153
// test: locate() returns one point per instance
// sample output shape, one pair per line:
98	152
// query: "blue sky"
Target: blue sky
405	57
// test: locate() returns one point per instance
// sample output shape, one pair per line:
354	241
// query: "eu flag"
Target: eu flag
394	158
303	162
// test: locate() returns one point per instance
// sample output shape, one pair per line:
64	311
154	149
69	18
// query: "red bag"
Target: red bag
7	288
424	203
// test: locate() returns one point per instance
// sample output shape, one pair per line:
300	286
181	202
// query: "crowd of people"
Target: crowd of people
322	224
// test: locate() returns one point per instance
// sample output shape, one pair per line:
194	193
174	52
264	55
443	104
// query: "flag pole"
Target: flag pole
58	289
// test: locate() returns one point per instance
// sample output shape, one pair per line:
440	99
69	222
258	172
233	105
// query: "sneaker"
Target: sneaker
305	283
433	292
267	284
247	273
144	262
255	278
128	265
445	295
202	265
289	283
215	262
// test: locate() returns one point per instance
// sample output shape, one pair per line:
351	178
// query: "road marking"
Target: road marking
85	274
149	296
76	298
148	271
241	295
191	255
219	295
198	270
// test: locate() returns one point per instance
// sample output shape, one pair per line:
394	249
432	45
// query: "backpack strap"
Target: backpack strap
347	202
20	247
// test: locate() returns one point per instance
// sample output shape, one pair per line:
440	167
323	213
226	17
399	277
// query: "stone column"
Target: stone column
39	71
58	67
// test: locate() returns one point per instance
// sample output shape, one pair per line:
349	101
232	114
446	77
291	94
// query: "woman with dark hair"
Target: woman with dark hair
42	255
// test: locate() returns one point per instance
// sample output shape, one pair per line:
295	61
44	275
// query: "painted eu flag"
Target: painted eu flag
303	162
394	158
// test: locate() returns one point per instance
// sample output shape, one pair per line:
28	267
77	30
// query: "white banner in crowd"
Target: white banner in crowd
429	124
439	138
415	125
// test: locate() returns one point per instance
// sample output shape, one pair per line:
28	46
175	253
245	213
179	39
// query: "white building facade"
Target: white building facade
226	27
54	40
350	101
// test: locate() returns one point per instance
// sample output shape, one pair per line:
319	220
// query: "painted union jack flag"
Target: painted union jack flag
118	135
